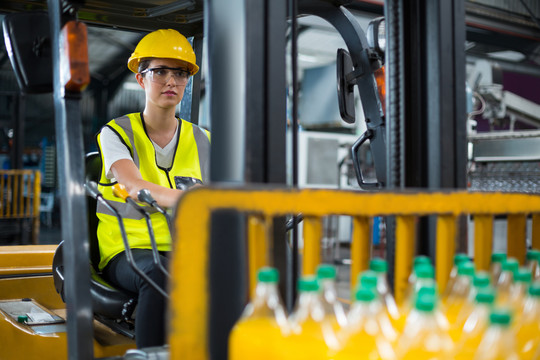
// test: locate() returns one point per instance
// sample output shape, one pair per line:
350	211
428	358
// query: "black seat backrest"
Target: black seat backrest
93	172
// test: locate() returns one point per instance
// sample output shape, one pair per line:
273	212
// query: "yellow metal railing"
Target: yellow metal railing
20	192
189	267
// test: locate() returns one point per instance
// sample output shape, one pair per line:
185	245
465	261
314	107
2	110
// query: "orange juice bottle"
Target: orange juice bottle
475	325
326	274
533	263
418	261
261	329
458	259
528	328
520	289
312	334
506	281
423	338
498	343
363	337
497	259
369	280
380	267
458	299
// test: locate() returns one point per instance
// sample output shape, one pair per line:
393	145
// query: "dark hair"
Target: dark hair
144	64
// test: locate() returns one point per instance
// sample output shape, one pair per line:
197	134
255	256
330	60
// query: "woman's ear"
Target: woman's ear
140	79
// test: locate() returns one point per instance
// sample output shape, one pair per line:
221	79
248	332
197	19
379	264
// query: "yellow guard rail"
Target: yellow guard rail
190	268
20	193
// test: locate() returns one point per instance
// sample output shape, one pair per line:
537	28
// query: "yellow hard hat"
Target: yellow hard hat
168	44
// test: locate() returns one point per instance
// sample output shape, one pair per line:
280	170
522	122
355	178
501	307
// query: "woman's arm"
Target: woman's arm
126	173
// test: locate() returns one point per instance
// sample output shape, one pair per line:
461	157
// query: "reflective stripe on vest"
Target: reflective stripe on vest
191	160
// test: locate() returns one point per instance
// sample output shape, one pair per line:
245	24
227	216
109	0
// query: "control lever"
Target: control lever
92	190
144	196
120	191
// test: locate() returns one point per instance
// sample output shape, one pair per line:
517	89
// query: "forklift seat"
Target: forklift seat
111	305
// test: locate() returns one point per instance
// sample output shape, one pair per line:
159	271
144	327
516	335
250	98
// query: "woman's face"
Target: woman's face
167	91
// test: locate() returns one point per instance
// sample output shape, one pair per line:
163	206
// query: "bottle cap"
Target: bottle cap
534	290
421	259
364	294
533	254
430	290
368	279
308	284
22	319
425	303
498	257
459	258
523	275
466	268
500	316
326	271
268	275
510	264
482	279
485	296
424	271
378	265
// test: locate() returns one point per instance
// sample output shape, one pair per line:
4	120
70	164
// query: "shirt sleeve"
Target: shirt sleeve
112	150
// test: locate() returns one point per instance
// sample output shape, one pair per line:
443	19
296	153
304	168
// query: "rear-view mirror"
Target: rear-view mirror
27	40
345	88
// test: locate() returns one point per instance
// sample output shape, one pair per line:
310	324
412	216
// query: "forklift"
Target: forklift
53	303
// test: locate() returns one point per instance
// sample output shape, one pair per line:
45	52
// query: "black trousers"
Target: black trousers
151	306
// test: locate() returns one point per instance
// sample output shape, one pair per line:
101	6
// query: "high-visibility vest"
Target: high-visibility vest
190	165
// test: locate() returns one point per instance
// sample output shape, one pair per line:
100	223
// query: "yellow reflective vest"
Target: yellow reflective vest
189	166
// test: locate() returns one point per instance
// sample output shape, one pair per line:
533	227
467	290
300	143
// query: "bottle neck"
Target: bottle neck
309	307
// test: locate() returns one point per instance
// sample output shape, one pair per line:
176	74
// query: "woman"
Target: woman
151	150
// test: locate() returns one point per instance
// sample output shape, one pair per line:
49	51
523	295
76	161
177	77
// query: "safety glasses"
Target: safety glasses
162	75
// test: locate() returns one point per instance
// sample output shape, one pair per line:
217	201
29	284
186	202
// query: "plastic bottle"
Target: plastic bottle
520	289
499	341
423	338
363	337
261	329
369	279
458	259
423	278
528	328
380	267
533	263
506	281
312	335
475	325
497	259
418	260
458	299
326	274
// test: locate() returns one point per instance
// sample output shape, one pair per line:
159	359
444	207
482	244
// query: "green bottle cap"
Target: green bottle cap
533	254
466	268
23	319
268	275
523	275
368	279
308	284
500	317
421	259
498	257
481	279
425	303
485	296
378	265
424	271
459	258
534	290
510	264
430	290
364	294
326	271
